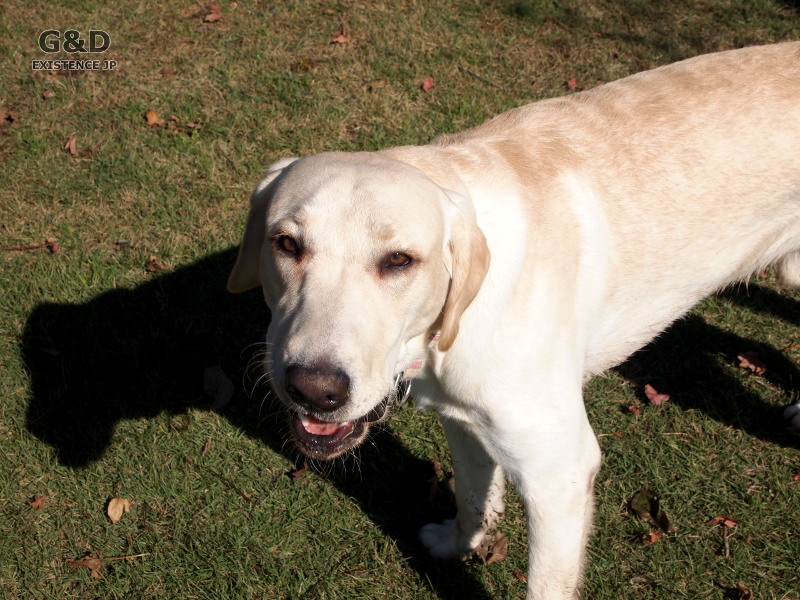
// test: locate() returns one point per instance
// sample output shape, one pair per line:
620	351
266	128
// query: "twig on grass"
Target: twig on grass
480	77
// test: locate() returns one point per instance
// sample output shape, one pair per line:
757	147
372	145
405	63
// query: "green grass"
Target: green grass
102	362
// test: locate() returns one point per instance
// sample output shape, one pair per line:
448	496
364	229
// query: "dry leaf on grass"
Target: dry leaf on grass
7	116
71	145
572	83
214	13
518	574
93	561
378	84
723	520
740	592
117	507
492	549
750	360
154	265
340	38
152	118
298	472
650	538
38	502
428	84
654	397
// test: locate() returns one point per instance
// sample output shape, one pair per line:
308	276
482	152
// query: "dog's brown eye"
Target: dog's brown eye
398	260
288	244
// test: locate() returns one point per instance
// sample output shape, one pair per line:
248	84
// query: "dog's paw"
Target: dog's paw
792	416
444	540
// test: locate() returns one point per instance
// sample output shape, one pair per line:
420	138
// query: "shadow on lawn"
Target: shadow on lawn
689	362
129	354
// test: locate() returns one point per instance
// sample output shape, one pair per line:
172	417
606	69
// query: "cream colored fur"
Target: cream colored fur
549	244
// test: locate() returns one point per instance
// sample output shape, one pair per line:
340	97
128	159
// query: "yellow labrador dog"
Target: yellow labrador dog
501	267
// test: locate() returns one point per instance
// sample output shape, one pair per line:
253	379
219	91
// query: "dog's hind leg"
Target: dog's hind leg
480	484
789	269
789	274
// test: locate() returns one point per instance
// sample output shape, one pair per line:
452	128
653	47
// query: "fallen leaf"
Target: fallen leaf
572	83
340	38
650	538
654	397
7	116
117	507
618	434
634	410
740	592
217	385
206	447
378	84
71	146
750	360
47	94
93	561
152	118
796	475
298	472
428	84
214	13
52	245
518	574
38	502
492	549
723	520
154	265
304	65
120	244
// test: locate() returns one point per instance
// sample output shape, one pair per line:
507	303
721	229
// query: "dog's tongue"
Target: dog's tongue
316	427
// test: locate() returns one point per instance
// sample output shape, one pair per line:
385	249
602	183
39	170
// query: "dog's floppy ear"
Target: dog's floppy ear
467	259
245	273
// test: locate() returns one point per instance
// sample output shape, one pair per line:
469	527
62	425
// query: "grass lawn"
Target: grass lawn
116	349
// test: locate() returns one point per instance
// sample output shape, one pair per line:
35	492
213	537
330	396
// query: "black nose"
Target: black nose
321	387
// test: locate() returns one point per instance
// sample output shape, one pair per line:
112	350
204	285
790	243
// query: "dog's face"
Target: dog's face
356	257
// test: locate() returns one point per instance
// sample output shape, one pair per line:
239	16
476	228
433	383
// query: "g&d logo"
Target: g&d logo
53	41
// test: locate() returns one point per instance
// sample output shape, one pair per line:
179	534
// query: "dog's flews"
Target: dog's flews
501	267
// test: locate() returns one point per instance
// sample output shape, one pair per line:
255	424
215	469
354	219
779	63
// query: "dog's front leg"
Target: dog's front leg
479	496
553	468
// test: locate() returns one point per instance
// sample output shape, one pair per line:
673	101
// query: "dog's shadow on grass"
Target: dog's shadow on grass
141	353
692	363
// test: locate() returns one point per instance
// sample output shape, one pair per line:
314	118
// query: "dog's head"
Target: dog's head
362	259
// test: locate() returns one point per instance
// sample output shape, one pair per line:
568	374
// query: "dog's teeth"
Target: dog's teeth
304	419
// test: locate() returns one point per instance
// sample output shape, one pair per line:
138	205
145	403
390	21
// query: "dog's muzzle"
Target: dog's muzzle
324	439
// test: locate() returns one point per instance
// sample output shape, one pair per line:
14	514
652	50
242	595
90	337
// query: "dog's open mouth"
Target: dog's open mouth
326	439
